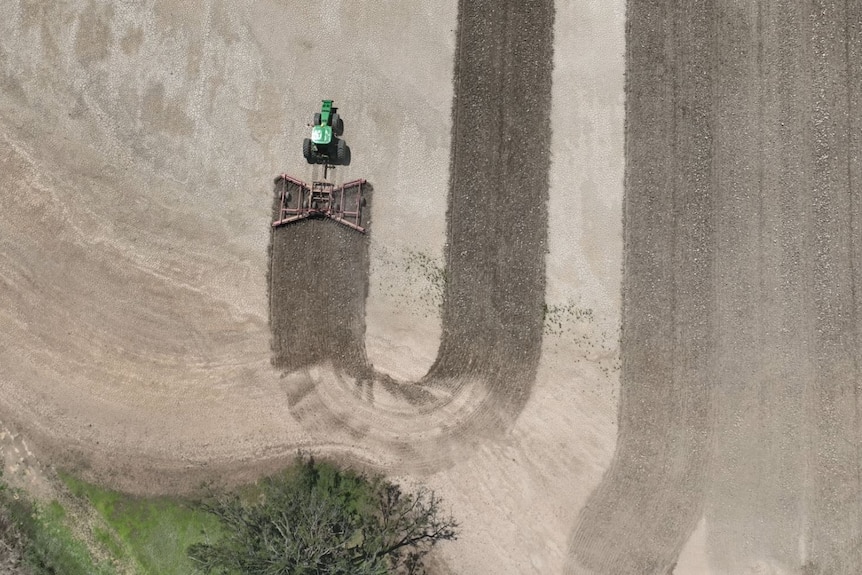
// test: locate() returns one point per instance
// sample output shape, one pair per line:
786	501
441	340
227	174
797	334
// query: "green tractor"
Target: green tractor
324	146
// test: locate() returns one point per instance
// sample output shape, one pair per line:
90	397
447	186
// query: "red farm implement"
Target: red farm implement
298	201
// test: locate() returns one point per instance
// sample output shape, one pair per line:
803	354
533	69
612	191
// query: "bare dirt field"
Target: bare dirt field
156	331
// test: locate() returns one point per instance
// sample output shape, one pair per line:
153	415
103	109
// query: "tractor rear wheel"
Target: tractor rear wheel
317	118
337	125
341	151
306	150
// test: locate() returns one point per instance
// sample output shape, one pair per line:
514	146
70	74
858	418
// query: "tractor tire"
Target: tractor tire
316	119
306	151
337	125
341	151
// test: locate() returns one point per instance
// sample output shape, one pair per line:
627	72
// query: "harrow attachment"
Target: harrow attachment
299	201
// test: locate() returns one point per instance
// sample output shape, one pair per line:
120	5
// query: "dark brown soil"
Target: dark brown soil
319	282
497	218
651	498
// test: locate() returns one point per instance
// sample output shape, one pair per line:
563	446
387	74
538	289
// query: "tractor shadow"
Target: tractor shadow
332	159
346	161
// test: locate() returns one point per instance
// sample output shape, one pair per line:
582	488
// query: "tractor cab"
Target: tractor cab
324	146
321	131
321	135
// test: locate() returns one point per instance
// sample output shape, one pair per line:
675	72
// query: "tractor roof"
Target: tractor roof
321	134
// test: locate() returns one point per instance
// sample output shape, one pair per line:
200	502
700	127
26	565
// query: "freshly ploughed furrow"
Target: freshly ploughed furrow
785	484
497	216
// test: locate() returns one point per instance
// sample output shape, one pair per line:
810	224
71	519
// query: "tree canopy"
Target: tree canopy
315	519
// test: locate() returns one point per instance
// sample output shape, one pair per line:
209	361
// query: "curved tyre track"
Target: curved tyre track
495	267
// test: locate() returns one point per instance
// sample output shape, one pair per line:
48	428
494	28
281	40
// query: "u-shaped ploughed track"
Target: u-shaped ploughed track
495	265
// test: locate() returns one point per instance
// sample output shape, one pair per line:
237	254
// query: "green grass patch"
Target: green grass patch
339	521
49	546
154	532
53	548
109	542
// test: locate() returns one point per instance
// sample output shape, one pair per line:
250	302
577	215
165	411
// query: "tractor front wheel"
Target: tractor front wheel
337	124
316	119
306	151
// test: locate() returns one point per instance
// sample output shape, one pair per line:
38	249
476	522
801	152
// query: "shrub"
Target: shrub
316	519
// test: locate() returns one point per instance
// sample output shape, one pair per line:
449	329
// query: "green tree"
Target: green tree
319	520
